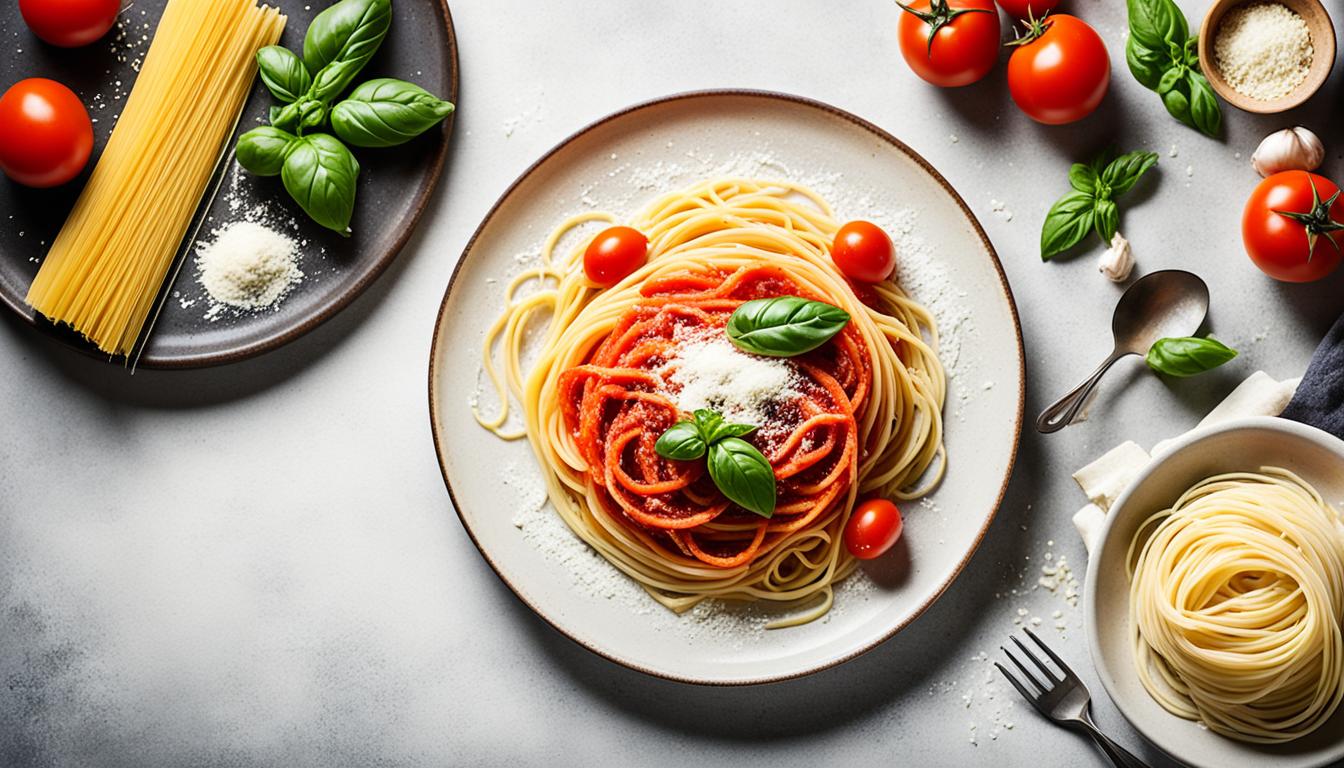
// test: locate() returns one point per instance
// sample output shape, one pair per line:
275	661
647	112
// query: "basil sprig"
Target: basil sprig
1188	356
738	469
318	170
1091	207
784	326
1164	57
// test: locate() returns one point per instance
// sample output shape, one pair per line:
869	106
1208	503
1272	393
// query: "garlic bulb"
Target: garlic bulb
1118	260
1291	149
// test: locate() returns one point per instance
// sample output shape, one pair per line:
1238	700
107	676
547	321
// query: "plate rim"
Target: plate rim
769	95
1181	443
29	318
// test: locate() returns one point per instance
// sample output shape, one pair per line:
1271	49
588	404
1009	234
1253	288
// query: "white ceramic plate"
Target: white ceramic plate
618	164
1242	445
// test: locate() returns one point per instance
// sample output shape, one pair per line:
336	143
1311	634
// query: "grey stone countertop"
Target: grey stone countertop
259	565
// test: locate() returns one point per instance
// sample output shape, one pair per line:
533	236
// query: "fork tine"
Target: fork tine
1036	660
1053	656
1020	688
1025	673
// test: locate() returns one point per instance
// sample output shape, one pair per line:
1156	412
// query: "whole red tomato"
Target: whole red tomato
45	133
1060	71
1028	9
950	42
69	23
864	252
613	254
1292	226
873	528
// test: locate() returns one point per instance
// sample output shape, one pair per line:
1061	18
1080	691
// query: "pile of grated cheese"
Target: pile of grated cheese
248	265
712	373
1263	50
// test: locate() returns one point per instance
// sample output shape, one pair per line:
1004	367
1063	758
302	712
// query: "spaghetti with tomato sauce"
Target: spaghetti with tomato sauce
859	414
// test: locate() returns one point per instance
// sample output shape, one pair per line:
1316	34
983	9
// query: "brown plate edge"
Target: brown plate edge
881	134
195	361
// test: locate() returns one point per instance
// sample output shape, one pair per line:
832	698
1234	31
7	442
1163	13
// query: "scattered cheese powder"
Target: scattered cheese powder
248	265
1263	50
712	373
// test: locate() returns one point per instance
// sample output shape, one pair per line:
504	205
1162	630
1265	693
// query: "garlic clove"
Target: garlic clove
1291	149
1118	260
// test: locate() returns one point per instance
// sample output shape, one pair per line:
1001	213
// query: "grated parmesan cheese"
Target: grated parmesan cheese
712	373
248	265
1263	50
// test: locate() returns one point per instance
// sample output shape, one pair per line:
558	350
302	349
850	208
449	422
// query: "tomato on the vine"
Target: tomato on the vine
1059	71
950	42
1028	9
864	252
873	529
614	253
45	133
69	23
1293	226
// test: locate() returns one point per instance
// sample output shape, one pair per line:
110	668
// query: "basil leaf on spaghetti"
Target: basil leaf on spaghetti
723	431
743	474
784	326
682	441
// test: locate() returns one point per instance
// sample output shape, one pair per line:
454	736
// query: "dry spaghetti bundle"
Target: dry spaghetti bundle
617	366
109	261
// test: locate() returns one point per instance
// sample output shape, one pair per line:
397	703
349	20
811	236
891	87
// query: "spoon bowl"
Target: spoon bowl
1168	303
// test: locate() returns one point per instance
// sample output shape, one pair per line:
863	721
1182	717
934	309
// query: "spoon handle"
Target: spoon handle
1062	413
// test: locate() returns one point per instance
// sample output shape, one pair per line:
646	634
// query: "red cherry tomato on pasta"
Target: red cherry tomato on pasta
965	43
1277	226
70	23
863	251
1025	9
45	133
1060	72
873	529
613	254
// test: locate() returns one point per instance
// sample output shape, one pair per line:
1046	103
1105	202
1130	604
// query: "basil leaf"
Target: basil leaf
743	474
707	420
283	73
1157	24
1105	219
1083	178
725	430
286	118
1178	104
262	150
312	114
386	112
682	441
341	40
1145	64
784	326
1205	113
1170	79
321	175
1188	356
1122	173
1067	223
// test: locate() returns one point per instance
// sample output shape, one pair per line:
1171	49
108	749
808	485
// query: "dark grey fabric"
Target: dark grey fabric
1319	400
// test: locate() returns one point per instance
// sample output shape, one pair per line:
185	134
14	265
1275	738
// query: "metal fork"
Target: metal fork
1064	700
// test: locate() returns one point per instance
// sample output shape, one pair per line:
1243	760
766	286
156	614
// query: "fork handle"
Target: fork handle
1119	756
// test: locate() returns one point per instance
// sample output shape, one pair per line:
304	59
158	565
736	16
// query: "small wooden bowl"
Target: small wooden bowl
1322	32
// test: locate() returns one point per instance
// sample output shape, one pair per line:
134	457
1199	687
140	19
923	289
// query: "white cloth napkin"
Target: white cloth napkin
1104	479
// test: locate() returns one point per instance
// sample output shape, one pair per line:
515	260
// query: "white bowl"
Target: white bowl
1242	445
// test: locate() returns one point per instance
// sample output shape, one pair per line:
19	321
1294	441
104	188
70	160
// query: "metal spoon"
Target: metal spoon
1172	302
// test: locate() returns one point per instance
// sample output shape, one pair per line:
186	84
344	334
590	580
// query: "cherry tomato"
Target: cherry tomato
70	23
1028	9
864	252
873	529
613	254
45	133
1291	226
1060	72
965	40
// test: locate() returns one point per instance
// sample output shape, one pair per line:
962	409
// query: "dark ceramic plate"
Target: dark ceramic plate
394	185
